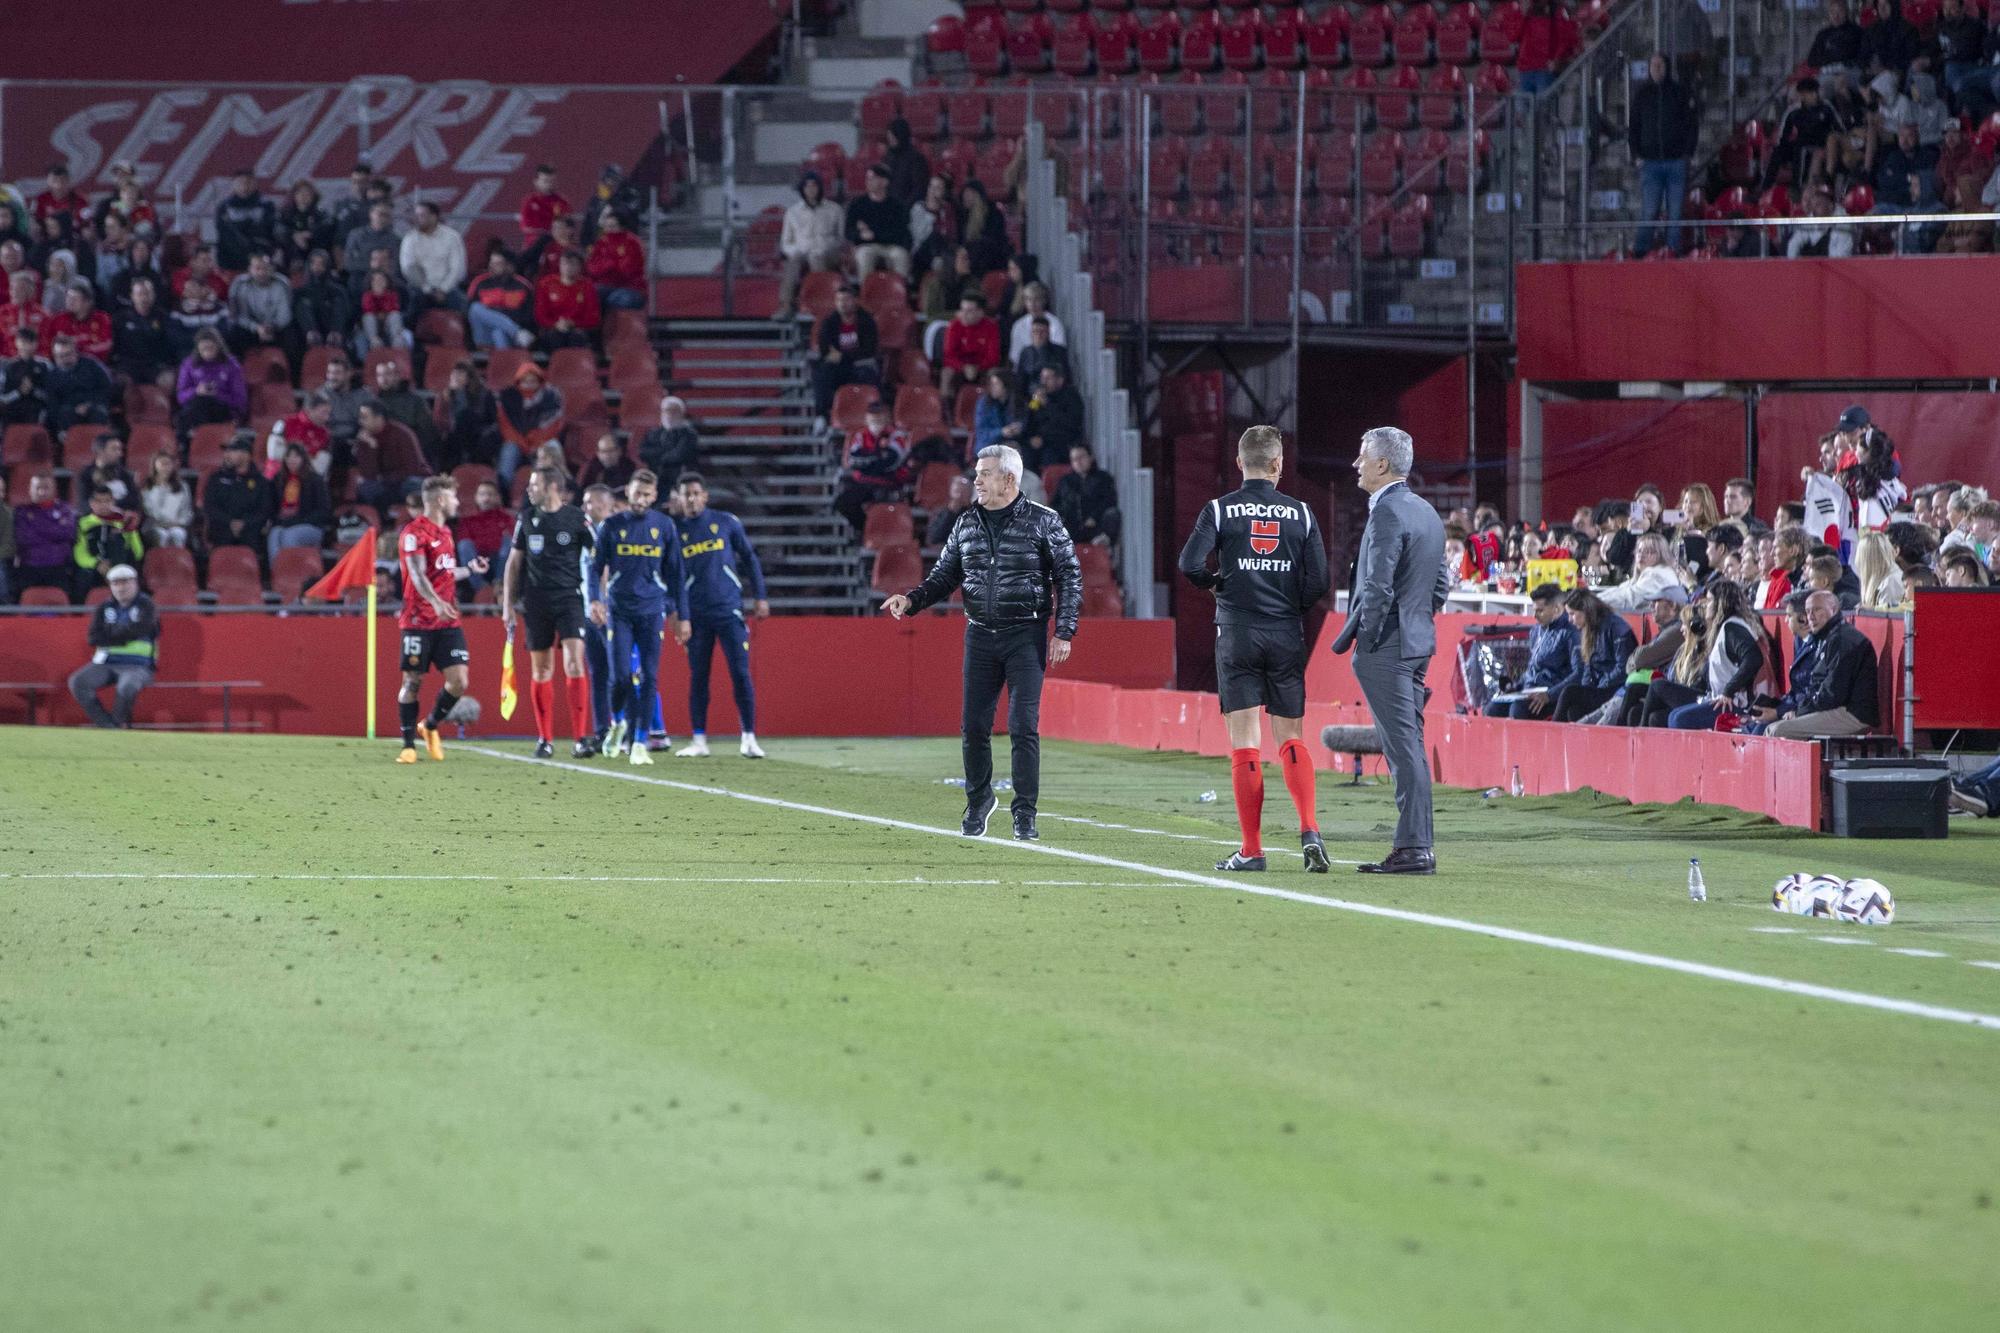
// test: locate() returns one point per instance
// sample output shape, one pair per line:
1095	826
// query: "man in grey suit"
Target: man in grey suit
1399	586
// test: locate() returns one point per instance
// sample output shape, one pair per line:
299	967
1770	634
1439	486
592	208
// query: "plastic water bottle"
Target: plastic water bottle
1516	786
1206	798
1697	891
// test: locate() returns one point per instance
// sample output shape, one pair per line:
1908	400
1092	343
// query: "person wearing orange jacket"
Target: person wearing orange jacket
501	305
566	306
531	415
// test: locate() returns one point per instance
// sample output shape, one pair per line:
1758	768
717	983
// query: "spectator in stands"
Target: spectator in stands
1035	303
82	320
210	387
1960	39
502	306
79	388
1055	420
994	412
1662	134
1961	569
810	240
1739	501
1597	665
1823	240
322	308
58	265
904	165
107	469
236	499
433	262
933	228
301	510
466	419
1839	45
1736	663
363	189
566	306
245	224
1841	701
303	226
531	415
1727	547
617	264
609	467
1653	571
543	205
1906	181
401	403
1698	514
1548	38
673	446
1551	648
105	536
59	200
878	227
7	545
378	233
167	503
544	257
381	315
114	244
123	635
199	311
971	346
1891	42
984	228
142	345
260	311
45	539
24	308
1973	236
1671	654
24	382
1800	141
958	500
848	346
344	397
484	532
1881	578
1087	500
872	466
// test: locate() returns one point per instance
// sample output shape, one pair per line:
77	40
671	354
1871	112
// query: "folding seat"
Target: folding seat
1159	43
1010	112
828	161
572	367
985	51
1458	35
293	568
965	114
1397	107
1271	167
1095	561
1381	159
1052	474
1198	42
1409	228
1209	169
1222	104
441	328
1352	102
924	109
1463	176
1326	38
1116	44
884	285
145	440
1414	30
233	576
1224	224
1284	39
168	564
888	525
1327	216
266	363
149	402
1271	105
1054	109
1374	228
270	399
1274	215
878	108
850	406
205	448
1319	100
1424	161
1239	39
1168	162
1071	49
1180	107
897	568
26	442
1492	84
1028	46
1444	96
1368	38
502	364
1333	164
990	168
1500	34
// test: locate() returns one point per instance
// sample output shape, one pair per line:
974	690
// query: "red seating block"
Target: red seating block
1368	38
1411	41
1116	45
1159	44
1500	34
1444	96
1240	40
1397	108
1325	37
1458	35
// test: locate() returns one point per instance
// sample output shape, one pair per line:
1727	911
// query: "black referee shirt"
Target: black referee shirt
556	548
1270	560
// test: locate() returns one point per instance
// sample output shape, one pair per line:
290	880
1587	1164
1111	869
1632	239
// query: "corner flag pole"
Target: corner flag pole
369	673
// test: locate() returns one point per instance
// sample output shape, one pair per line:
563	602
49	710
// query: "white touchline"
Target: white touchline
1918	953
1982	962
1860	999
333	876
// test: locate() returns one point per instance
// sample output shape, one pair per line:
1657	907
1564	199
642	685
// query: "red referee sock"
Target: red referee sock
1246	775
1295	762
578	690
544	695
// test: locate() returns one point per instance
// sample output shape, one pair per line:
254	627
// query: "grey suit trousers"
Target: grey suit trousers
1395	690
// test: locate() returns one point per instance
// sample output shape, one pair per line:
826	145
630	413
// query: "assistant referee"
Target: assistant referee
1270	569
552	546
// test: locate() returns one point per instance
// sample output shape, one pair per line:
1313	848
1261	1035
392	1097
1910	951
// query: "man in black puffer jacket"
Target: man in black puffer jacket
1017	564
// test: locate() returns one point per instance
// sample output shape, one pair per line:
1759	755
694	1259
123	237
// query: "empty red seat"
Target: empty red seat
1199	51
945	36
1222	105
918	407
168	564
1209	169
1284	40
1070	51
266	363
1444	97
1055	110
1381	162
965	114
1352	101
924	110
1500	34
1028	47
1333	164
293	568
850	406
1368	38
1396	107
1458	35
1168	161
1180	107
985	51
888	525
1159	44
1325	37
1424	161
233	576
898	568
1409	228
1116	45
1411	42
934	482
1240	39
1463	172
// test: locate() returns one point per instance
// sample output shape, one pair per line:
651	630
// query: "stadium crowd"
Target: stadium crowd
291	382
1702	572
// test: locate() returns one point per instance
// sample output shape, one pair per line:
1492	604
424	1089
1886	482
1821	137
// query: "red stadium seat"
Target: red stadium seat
377	355
502	364
985	51
1222	103
965	114
1333	161
270	398
850	406
1368	38
1284	39
44	597
924	110
1500	34
1100	602
1444	96
168	564
571	368
146	440
1116	45
934	482
1208	169
28	443
266	363
1325	37
441	328
149	403
1411	39
1167	162
878	109
1199	51
1241	39
919	408
888	525
1180	107
1424	161
1094	560
1159	44
205	448
1028	48
898	568
1397	108
293	568
1051	474
1381	161
1458	35
1463	176
1071	50
1352	100
236	565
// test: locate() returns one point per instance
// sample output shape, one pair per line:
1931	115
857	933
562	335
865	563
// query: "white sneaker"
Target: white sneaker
640	756
697	750
614	739
749	749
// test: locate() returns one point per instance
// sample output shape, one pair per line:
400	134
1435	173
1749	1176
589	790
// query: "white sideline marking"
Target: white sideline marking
1982	962
1918	953
333	876
1860	999
1773	930
1841	939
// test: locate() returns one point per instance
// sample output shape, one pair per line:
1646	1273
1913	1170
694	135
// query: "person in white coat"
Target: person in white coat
1652	574
433	261
813	238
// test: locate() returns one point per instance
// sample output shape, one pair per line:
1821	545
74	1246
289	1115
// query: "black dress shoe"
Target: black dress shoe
1024	827
1403	861
1238	861
976	817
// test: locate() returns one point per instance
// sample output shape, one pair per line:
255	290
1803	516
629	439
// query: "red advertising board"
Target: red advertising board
1955	674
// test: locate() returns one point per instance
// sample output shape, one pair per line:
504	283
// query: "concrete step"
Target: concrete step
775	143
746	201
901	18
858	73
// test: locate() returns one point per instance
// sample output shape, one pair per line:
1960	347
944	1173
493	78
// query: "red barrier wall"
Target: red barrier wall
1955	687
1777	778
1754	319
1601	449
1942	436
815	676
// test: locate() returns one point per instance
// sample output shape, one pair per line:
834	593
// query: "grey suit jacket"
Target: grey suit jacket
1400	580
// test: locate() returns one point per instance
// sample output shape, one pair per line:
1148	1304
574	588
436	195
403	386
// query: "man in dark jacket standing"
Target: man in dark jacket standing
1842	699
1017	565
1662	137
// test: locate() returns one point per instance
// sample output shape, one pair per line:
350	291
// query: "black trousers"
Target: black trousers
1014	656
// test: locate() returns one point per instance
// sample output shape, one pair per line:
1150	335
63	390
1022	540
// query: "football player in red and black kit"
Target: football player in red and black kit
1270	570
429	621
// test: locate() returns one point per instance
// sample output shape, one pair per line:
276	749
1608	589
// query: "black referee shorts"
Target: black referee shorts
1261	666
552	617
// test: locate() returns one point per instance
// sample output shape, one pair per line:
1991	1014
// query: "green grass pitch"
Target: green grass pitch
294	1039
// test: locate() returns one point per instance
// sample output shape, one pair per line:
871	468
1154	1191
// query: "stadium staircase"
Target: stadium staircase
748	391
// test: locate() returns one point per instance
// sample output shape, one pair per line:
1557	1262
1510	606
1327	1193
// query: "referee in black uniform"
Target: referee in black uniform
553	544
1270	569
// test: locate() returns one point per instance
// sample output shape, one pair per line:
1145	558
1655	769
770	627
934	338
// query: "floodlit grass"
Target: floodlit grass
293	1038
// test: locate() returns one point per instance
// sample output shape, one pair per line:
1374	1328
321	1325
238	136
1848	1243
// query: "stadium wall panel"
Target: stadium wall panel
1598	449
815	675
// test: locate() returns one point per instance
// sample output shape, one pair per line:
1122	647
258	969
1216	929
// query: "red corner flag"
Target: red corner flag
356	569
